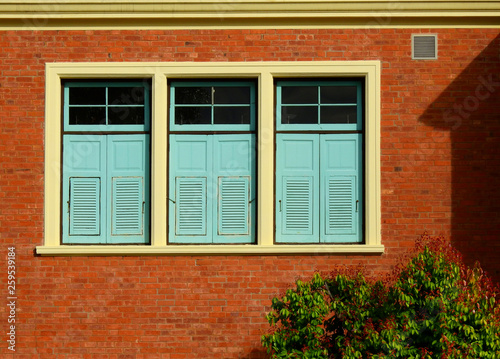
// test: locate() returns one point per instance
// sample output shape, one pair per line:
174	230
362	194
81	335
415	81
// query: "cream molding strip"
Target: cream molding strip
101	14
226	250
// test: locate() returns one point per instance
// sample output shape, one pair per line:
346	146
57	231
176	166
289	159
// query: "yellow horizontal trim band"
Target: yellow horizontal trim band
152	14
375	21
208	250
173	6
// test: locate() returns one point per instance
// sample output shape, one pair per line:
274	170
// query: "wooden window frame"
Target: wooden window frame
265	74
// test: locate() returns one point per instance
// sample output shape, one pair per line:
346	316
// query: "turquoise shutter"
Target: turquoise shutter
190	177
234	165
191	206
84	171
233	206
297	183
127	209
128	186
341	190
84	206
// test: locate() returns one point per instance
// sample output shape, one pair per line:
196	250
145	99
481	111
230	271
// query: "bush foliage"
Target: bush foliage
432	306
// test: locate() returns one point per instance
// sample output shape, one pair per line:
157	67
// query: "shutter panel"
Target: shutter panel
341	205
233	205
84	206
191	209
128	186
297	205
127	206
190	175
341	192
297	181
84	189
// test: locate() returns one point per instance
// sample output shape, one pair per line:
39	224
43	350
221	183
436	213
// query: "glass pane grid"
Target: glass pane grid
199	104
336	104
124	109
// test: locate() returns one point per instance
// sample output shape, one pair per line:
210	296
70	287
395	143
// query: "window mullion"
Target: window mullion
319	105
106	105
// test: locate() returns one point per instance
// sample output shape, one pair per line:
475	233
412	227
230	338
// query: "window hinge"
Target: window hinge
68	206
357	202
280	205
143	205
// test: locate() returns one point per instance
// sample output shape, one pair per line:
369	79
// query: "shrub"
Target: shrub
433	306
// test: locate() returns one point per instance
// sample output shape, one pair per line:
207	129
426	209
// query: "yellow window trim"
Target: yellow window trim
265	72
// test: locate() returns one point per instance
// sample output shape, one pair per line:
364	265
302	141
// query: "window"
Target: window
184	158
105	173
212	162
319	166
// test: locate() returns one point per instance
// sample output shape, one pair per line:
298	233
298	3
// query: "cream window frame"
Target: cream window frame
159	73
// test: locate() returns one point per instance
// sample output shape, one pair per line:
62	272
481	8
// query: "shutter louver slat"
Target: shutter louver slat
233	205
127	206
298	202
191	206
341	194
84	206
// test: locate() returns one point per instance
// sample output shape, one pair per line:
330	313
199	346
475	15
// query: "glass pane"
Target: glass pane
126	95
193	116
231	115
87	95
299	94
339	114
299	114
338	94
232	95
193	95
87	115
125	115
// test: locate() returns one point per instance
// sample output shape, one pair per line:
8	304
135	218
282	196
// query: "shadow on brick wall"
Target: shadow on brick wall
469	109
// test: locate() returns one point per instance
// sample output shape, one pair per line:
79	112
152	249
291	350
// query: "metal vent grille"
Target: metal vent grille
424	46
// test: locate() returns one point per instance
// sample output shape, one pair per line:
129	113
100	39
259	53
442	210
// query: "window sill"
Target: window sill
135	250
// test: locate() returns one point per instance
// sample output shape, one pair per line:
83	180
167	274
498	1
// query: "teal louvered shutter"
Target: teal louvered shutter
127	206
190	173
341	190
83	192
211	188
128	186
233	216
84	206
234	206
191	206
297	183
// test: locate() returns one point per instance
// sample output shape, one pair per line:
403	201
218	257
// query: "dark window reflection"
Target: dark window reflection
232	95
299	114
231	115
299	94
87	96
193	115
339	114
338	94
125	115
87	116
126	95
193	95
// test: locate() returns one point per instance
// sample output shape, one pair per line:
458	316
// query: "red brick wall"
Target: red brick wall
440	168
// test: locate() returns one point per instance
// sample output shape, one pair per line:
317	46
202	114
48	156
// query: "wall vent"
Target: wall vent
424	47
